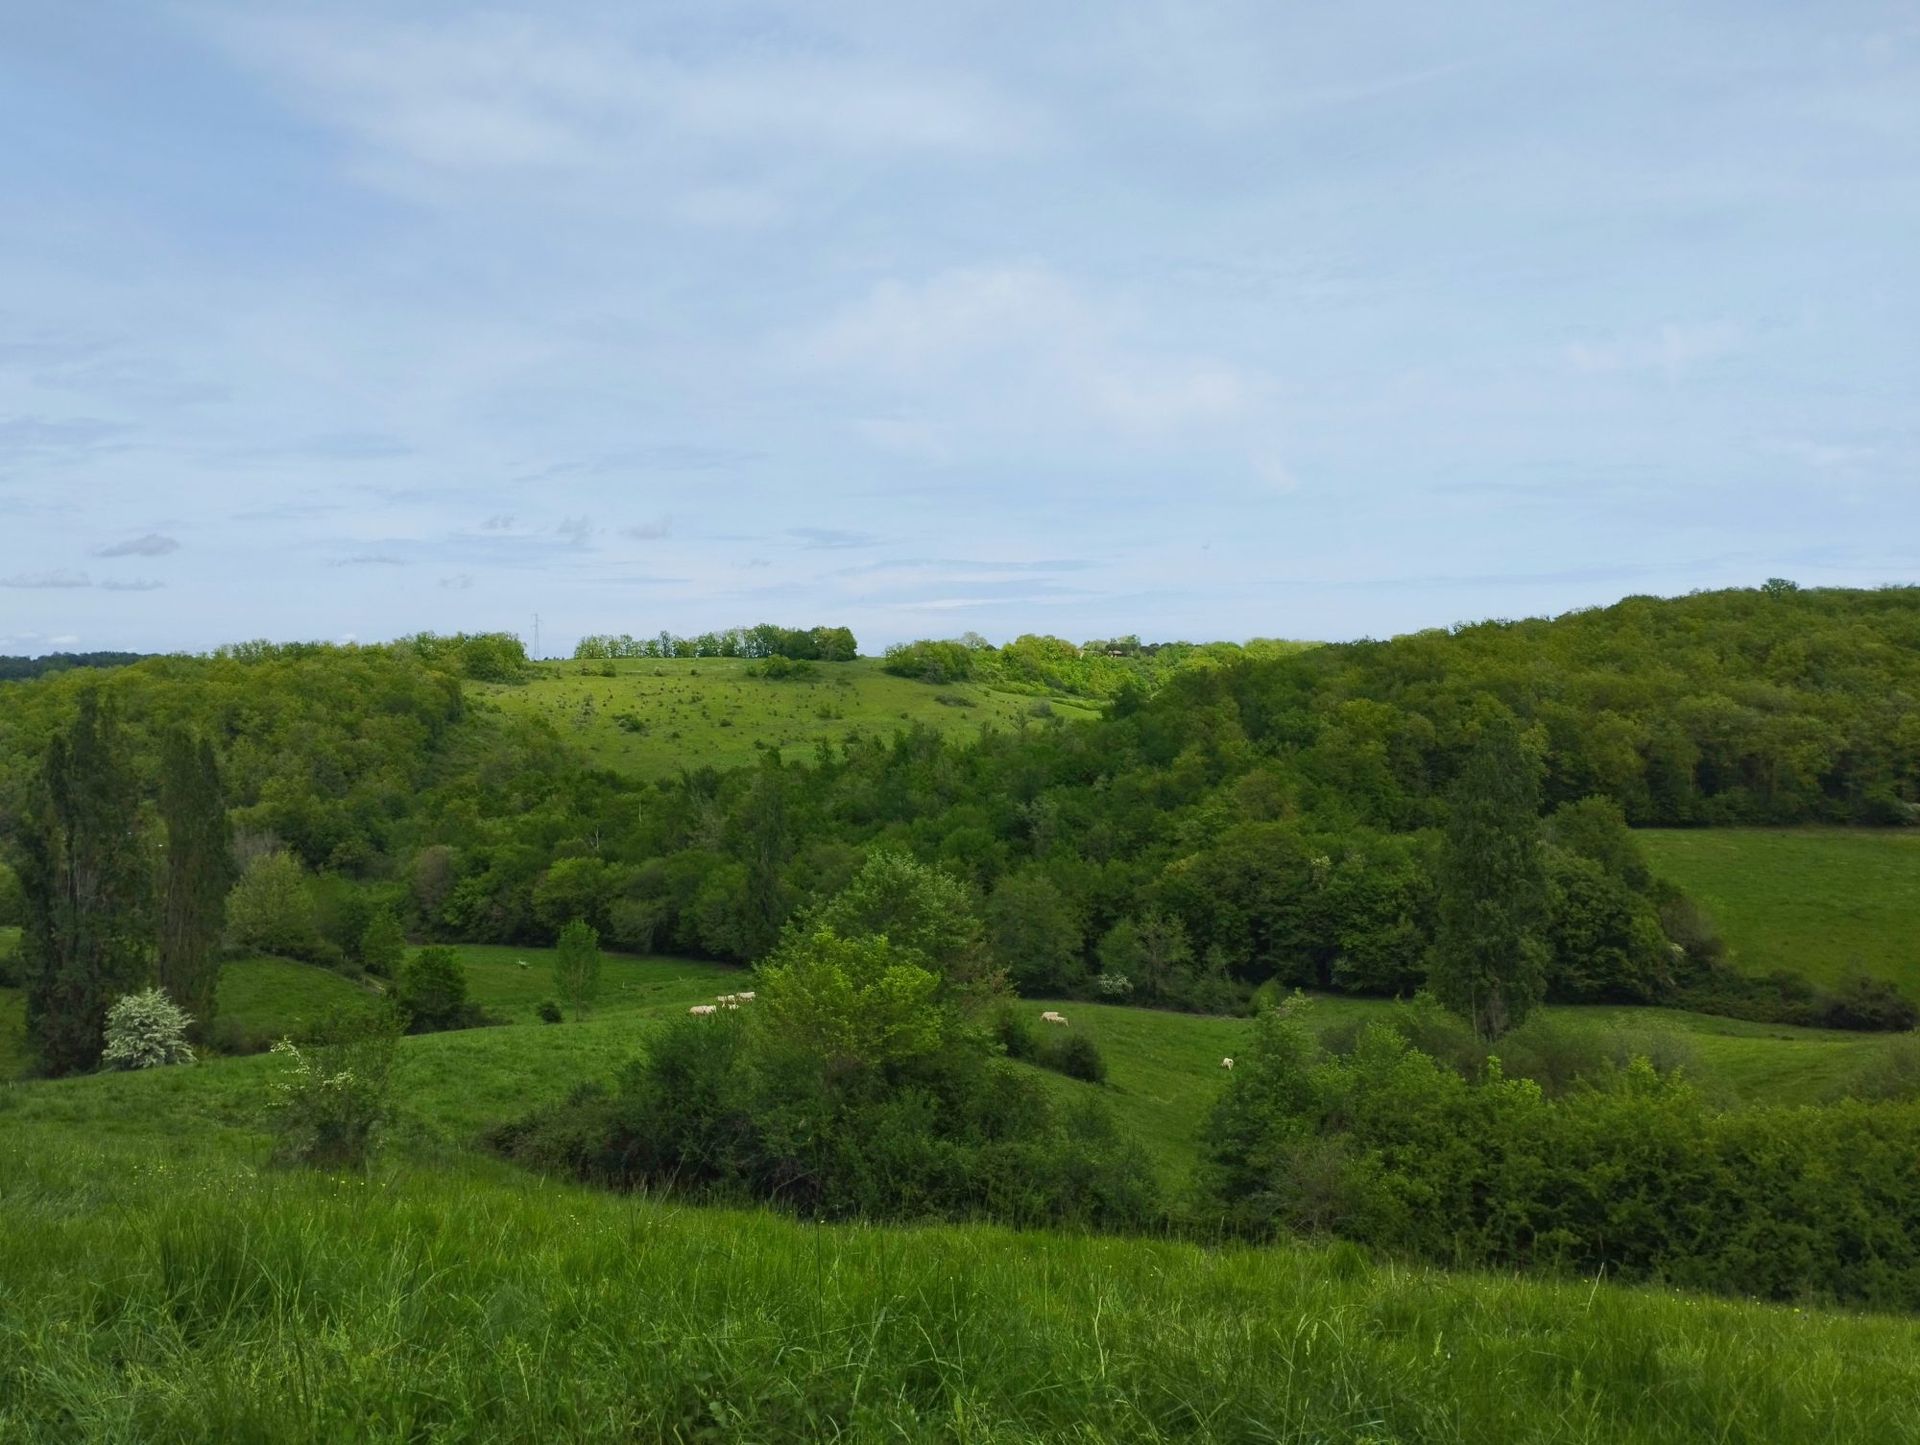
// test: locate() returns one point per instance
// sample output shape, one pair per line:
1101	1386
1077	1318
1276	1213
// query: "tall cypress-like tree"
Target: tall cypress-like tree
198	875
1490	958
89	888
767	844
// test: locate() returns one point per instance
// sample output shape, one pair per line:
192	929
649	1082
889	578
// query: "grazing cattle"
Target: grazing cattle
744	997
523	963
1227	1064
1053	1017
700	1010
729	1000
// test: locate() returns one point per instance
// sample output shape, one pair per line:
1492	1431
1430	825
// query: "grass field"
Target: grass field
1820	901
695	712
1164	1068
153	1295
159	1282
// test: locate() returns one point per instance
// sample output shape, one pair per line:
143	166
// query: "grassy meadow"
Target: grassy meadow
655	716
156	1296
162	1282
1820	901
1164	1067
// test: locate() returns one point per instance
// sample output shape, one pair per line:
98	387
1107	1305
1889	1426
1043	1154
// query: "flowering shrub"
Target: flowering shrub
1112	985
329	1106
146	1030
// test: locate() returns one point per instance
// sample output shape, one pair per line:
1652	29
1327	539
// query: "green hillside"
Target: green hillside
1824	902
159	1277
655	716
1164	1067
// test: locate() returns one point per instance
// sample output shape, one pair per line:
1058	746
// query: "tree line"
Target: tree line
796	644
1039	664
17	669
1259	823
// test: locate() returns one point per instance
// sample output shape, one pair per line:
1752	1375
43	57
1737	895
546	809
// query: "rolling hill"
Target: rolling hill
1824	902
655	716
163	1284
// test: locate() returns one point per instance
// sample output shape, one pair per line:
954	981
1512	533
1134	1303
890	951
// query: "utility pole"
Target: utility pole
536	637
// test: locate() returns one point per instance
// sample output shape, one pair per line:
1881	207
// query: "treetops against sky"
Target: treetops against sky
1202	320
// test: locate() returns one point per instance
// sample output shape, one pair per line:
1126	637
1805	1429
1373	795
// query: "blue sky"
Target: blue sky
1185	319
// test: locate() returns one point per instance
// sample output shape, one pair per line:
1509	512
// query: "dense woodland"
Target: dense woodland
14	669
1254	819
1038	664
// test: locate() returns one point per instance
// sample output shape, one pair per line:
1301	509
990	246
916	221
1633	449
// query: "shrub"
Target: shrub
854	1088
548	1012
1555	1053
1078	1057
431	993
1015	1033
231	1037
1864	1002
328	1107
145	1031
1634	1175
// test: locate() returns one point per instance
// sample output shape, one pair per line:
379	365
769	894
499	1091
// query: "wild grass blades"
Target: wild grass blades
465	1304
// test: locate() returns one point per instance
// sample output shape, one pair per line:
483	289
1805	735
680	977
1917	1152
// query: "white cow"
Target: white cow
1053	1017
701	1010
1227	1064
744	997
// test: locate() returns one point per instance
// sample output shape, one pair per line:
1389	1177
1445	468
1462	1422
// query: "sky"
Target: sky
1183	319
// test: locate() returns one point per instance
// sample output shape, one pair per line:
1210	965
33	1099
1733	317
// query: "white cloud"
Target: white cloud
1673	349
486	93
1030	346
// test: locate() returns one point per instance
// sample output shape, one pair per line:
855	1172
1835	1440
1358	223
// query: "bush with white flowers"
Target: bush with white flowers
146	1030
329	1106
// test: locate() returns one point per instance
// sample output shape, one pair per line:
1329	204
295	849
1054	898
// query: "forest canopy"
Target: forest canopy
1257	819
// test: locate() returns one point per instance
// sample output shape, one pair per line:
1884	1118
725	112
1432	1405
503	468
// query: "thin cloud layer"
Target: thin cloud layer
1222	319
152	544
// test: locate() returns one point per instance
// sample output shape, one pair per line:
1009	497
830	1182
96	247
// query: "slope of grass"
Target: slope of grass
269	997
162	1284
706	712
153	1298
1820	901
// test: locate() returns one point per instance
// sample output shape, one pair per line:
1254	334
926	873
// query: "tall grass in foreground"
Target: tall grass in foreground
146	1300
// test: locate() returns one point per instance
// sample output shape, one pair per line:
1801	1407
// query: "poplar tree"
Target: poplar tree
89	888
576	965
198	875
1490	956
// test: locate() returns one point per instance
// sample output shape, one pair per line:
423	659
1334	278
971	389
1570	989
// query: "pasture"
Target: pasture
1163	1067
1823	902
655	716
164	1283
